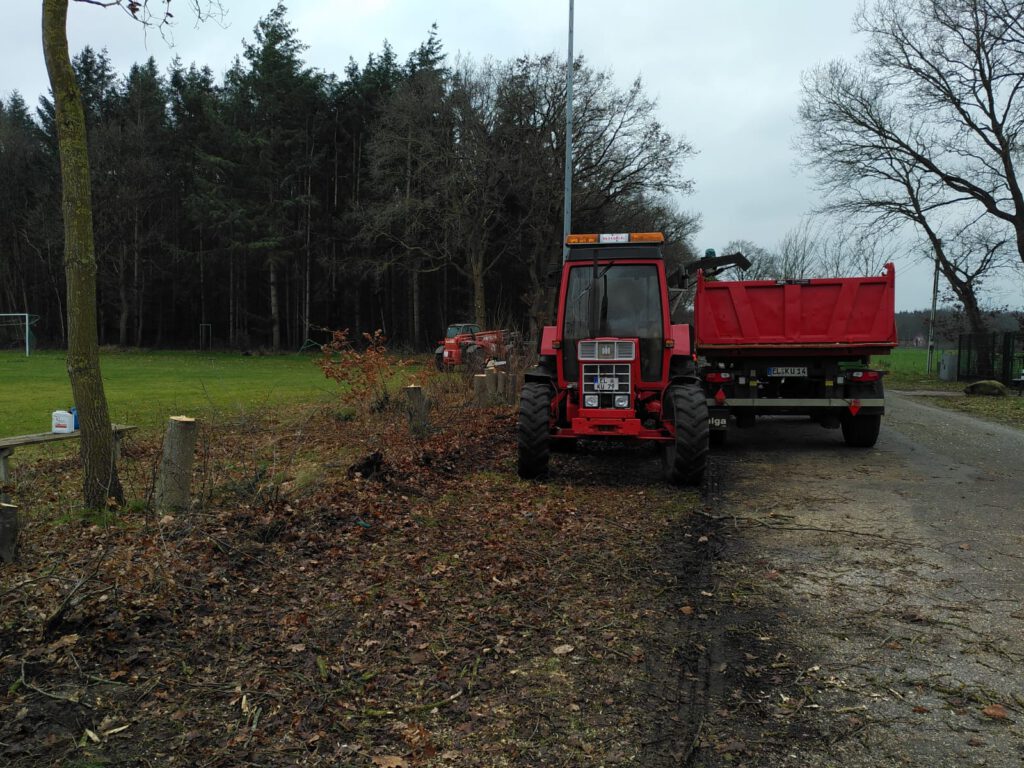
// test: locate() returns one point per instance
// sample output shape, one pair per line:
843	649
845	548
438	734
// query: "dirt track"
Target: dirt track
866	603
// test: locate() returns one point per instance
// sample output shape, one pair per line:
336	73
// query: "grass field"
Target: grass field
907	369
144	388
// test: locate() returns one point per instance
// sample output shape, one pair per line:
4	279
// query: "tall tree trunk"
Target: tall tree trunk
202	283
100	480
309	258
122	293
417	332
232	300
275	315
137	288
479	300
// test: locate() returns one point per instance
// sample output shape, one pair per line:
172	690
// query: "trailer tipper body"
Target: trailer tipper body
777	347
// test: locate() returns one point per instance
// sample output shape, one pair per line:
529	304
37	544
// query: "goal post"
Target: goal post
18	326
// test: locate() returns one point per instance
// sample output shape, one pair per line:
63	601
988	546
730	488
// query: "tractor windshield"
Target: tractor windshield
460	328
615	300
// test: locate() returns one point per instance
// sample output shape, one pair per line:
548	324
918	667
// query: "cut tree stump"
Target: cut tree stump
418	410
480	389
174	480
8	532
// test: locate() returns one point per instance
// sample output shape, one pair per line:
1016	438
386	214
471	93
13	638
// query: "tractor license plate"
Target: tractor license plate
788	370
606	384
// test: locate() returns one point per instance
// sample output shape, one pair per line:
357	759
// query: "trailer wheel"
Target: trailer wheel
685	459
533	430
861	431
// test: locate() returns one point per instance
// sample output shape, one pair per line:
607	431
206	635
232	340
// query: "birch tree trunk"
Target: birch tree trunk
100	480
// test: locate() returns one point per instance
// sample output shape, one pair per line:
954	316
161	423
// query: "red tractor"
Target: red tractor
614	366
465	344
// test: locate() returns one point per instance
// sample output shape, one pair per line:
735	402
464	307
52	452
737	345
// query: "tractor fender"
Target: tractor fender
683	370
543	372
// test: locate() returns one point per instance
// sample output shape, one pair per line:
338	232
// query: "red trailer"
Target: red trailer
795	347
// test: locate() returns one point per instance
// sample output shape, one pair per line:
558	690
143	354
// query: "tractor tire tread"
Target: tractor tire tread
690	414
533	430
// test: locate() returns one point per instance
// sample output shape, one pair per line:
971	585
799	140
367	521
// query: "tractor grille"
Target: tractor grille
593	373
607	350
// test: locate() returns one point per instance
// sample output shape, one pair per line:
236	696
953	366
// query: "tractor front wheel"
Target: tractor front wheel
439	362
861	431
685	459
533	430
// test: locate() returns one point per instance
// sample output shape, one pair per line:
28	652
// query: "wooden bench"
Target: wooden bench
8	444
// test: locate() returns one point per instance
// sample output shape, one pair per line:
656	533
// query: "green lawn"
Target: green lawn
144	388
907	370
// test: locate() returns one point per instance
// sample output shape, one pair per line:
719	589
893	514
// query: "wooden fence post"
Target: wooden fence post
8	532
174	479
418	410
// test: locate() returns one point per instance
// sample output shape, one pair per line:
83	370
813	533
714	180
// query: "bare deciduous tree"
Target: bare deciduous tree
101	482
924	130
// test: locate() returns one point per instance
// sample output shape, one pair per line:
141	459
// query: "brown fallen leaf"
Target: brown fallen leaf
390	761
921	710
975	742
563	650
64	642
686	610
995	711
730	746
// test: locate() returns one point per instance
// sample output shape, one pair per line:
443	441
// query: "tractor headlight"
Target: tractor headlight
590	401
622	401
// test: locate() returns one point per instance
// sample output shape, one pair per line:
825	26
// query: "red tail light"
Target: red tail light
719	377
865	376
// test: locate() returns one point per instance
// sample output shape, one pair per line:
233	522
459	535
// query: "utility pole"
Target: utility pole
935	298
567	204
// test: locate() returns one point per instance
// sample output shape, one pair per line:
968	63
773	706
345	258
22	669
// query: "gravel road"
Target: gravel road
867	603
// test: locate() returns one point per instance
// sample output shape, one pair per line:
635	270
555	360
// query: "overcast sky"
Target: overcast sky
726	76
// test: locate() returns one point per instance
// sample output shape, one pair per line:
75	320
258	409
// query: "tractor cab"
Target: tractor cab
614	292
613	366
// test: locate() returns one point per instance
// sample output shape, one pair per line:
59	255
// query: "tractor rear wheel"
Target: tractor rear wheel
861	431
685	459
533	430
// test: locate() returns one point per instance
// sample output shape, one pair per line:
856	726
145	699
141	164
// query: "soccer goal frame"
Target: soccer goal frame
26	325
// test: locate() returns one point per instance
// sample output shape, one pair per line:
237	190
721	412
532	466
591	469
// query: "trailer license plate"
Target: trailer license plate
606	384
788	370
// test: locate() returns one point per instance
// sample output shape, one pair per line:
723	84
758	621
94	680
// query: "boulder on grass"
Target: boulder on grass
987	387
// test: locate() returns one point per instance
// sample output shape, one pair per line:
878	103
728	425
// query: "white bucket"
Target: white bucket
63	421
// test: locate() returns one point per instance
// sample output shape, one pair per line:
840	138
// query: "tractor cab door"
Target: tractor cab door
614	300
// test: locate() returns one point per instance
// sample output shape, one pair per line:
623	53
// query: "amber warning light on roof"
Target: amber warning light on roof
618	237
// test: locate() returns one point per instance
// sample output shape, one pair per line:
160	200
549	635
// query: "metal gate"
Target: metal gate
997	356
